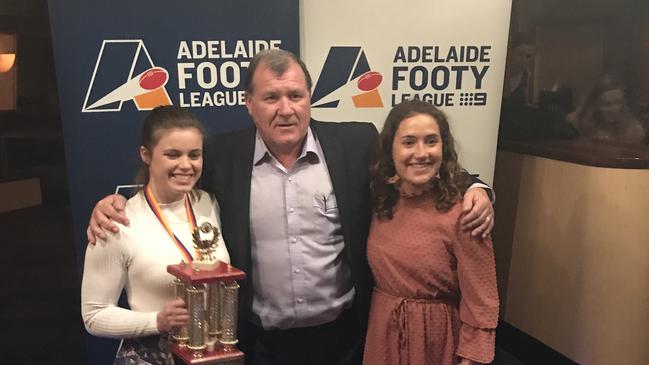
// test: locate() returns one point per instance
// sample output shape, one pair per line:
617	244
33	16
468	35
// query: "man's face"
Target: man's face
280	107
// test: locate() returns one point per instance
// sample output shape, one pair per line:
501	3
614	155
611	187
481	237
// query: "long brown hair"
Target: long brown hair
452	181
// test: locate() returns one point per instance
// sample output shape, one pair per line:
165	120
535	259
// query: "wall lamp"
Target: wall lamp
7	51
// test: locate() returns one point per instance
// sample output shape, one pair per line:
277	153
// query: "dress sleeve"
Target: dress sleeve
476	270
104	277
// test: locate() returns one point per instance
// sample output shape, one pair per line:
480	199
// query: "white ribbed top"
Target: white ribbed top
136	259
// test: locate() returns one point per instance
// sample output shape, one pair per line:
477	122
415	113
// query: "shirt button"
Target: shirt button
290	179
291	210
293	240
297	271
300	300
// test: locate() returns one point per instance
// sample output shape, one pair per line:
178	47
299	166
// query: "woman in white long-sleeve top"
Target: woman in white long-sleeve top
162	216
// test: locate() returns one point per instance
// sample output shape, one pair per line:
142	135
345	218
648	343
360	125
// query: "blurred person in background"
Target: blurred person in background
604	115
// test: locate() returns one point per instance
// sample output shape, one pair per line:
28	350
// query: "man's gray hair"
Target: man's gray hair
278	60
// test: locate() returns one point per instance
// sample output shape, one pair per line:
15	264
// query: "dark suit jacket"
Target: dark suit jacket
348	148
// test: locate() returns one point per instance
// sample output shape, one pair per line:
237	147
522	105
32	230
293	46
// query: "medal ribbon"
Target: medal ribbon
191	218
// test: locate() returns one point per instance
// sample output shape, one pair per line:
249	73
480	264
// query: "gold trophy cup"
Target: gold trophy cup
210	290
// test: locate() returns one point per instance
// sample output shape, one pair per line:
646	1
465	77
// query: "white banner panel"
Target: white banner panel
367	55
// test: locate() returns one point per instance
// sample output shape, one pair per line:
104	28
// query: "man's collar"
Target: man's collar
262	151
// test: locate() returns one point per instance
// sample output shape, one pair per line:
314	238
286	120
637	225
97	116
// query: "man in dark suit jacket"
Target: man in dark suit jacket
347	150
330	327
295	214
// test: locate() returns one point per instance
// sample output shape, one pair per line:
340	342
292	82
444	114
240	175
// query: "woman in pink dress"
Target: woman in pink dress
435	300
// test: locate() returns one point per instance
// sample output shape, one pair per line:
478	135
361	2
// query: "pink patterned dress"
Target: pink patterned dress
435	297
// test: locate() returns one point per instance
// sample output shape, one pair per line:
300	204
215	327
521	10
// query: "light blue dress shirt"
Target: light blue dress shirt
301	276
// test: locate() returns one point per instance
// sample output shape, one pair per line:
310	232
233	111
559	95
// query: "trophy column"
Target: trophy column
211	297
229	318
214	307
180	335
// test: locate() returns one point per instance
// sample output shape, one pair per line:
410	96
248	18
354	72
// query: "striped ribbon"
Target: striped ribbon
191	218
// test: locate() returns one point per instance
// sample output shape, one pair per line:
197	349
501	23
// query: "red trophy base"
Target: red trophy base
230	355
220	356
222	272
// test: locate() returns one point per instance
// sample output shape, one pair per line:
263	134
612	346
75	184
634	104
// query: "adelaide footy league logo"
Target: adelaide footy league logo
346	75
125	71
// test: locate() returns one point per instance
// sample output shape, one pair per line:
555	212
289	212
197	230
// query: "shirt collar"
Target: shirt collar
310	147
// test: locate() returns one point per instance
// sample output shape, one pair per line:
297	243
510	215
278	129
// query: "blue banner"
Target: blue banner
117	59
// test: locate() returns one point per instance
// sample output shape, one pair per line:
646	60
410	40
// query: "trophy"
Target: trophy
209	288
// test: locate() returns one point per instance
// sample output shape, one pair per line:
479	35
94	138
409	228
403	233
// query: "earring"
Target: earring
393	180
